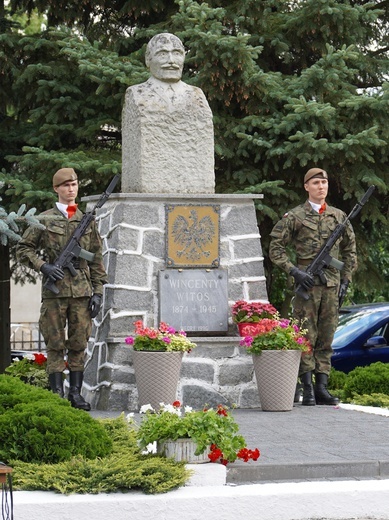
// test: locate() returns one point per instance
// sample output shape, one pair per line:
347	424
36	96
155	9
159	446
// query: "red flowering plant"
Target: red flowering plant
251	312
30	369
161	339
212	429
277	334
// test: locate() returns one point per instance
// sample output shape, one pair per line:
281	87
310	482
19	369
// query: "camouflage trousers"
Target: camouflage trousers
57	314
319	315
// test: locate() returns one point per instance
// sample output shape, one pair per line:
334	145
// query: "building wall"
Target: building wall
25	302
25	307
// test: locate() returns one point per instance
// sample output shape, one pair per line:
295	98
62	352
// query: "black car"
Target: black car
362	336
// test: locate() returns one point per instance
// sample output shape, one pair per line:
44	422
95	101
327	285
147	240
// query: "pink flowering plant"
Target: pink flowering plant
277	334
251	312
161	339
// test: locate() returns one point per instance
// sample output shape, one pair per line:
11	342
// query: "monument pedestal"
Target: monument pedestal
133	229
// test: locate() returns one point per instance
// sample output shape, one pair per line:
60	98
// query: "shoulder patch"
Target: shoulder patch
285	215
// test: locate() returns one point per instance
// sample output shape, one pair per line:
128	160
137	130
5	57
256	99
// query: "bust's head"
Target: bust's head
165	56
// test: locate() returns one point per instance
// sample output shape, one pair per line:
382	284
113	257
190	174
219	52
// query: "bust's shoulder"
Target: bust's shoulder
154	85
159	96
139	87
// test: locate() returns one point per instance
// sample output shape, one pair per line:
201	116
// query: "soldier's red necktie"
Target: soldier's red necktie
71	210
322	208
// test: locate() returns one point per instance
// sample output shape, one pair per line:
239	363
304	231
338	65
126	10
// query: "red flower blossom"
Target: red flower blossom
221	410
215	453
243	311
245	454
39	359
255	454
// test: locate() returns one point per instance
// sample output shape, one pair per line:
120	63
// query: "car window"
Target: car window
352	324
380	331
385	332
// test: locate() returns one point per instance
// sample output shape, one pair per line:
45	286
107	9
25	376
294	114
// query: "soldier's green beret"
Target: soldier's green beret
64	175
315	172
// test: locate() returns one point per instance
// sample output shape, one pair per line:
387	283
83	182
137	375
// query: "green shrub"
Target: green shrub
337	380
53	447
373	379
38	426
336	383
13	392
379	400
124	469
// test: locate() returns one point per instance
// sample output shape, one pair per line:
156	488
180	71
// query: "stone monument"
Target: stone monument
174	249
167	128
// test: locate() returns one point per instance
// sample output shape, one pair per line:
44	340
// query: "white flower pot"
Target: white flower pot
157	375
276	372
182	450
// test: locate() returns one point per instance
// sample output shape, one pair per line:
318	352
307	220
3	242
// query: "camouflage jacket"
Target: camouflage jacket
39	246
306	231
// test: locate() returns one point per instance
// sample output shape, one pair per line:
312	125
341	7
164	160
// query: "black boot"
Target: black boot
298	395
56	383
308	393
75	398
321	393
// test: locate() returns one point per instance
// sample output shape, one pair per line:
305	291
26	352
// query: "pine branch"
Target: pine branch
9	223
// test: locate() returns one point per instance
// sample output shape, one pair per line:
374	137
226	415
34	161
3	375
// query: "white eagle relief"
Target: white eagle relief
193	235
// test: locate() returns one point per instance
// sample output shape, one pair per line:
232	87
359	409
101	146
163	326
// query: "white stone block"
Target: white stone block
211	474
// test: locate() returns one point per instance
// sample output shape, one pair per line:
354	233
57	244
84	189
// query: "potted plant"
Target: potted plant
276	350
162	339
157	359
247	315
30	369
208	435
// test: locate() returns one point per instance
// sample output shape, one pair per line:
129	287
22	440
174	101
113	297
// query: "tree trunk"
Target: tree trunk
5	311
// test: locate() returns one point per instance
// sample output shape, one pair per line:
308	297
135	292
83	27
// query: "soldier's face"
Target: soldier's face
317	189
166	62
67	192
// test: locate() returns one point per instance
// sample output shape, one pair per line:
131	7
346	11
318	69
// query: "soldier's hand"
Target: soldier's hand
52	271
94	305
343	290
302	278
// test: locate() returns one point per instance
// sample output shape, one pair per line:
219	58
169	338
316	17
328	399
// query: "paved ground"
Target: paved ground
317	442
317	463
308	443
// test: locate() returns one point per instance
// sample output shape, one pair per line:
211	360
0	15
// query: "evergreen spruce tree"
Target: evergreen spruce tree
292	84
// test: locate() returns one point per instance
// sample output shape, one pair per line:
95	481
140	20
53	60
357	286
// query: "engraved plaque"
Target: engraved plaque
192	238
194	300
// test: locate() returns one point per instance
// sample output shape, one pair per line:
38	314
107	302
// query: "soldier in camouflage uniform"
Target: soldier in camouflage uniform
79	297
306	228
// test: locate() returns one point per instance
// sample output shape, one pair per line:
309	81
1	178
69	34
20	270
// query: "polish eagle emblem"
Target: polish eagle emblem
193	235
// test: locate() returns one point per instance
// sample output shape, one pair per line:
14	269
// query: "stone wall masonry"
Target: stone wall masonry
217	371
132	227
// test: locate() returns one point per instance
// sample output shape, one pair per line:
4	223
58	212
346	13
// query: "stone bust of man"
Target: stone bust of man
167	127
164	91
165	56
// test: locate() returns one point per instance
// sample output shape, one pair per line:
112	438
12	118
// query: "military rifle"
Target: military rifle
72	249
323	259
